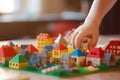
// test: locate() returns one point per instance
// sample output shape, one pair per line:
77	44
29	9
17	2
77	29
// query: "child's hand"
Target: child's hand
83	31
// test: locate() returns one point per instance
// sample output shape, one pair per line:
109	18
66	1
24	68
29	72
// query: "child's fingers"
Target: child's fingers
78	40
93	41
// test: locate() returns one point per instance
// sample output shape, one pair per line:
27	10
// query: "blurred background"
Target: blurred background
27	18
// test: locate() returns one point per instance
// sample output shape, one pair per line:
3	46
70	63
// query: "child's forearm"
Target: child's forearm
98	11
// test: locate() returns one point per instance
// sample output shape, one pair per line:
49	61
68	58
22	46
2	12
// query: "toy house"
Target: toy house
109	60
43	39
31	48
58	51
60	40
70	48
114	48
95	56
18	62
6	53
78	57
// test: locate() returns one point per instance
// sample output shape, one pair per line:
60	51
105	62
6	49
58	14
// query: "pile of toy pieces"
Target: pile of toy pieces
58	55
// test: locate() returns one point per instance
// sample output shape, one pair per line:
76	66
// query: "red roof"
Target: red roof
7	51
43	35
96	53
31	48
113	43
60	47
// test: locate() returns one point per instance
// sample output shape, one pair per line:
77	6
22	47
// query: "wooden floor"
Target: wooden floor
6	74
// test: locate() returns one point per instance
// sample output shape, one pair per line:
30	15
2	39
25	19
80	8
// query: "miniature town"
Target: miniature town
59	58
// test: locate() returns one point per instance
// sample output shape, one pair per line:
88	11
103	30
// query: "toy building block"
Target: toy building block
17	48
66	61
34	60
60	40
114	48
95	56
43	39
57	52
31	48
10	43
18	62
109	59
6	53
78	57
43	59
26	53
84	44
70	48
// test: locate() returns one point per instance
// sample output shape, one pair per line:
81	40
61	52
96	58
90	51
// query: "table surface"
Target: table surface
6	74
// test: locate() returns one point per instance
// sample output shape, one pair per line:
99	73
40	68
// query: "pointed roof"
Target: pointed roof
10	43
43	35
60	47
19	58
7	51
77	53
31	48
60	39
113	43
96	53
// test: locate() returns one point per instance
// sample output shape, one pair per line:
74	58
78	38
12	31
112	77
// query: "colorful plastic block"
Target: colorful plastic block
6	53
18	62
43	39
78	57
95	56
31	48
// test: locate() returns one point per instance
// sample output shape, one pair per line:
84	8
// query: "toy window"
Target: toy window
110	46
16	64
118	51
55	53
114	51
10	63
118	47
107	50
114	47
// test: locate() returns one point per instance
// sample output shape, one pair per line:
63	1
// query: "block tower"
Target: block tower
42	40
